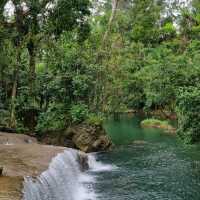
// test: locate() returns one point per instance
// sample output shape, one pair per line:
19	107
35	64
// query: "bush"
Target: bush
55	118
4	117
188	111
21	128
94	119
155	123
79	113
152	122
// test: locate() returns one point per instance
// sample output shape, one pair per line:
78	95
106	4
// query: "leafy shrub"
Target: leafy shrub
55	118
134	89
188	110
155	123
94	119
152	122
79	113
168	31
4	117
21	128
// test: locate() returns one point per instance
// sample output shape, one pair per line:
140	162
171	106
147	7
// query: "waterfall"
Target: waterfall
97	166
64	180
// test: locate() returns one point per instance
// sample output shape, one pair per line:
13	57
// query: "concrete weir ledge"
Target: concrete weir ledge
21	156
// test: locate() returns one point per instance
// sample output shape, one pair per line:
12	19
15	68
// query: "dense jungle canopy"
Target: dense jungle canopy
68	61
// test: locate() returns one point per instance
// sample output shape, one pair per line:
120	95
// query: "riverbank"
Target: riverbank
28	167
84	137
159	119
158	113
22	156
159	124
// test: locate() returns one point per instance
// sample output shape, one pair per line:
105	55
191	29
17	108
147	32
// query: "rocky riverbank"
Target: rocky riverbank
84	137
21	156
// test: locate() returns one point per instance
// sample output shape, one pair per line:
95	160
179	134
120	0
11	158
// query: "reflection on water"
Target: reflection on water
127	129
158	167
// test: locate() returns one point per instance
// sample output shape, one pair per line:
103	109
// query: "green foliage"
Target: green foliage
55	118
79	113
145	26
168	31
94	119
188	110
65	72
154	122
21	128
4	117
135	93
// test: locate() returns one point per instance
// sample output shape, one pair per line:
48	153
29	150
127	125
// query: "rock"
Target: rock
19	160
57	139
139	142
22	160
1	171
13	138
83	137
102	143
88	138
83	141
83	161
10	188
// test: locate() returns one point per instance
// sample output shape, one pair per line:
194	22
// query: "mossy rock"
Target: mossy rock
155	123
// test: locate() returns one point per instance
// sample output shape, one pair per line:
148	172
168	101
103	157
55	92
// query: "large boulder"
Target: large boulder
88	138
57	138
84	137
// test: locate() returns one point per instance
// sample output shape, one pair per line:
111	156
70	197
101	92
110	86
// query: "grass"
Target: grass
156	123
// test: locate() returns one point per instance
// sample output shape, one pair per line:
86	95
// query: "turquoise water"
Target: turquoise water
127	129
152	165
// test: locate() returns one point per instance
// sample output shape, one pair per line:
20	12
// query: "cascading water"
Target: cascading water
64	179
97	166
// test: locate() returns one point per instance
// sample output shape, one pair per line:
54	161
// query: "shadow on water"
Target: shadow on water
152	165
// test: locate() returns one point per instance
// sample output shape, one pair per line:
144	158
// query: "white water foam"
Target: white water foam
97	166
64	179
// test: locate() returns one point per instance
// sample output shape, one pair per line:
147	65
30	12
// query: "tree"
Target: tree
32	22
38	20
188	101
115	4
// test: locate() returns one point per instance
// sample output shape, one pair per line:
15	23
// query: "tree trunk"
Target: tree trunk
14	92
32	63
100	87
115	4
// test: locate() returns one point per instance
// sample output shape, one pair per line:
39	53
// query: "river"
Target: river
151	165
145	164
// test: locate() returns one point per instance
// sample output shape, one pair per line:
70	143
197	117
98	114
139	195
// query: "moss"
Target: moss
155	123
95	120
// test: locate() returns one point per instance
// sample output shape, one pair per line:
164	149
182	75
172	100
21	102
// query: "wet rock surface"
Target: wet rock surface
89	138
20	158
12	138
83	137
10	188
22	155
